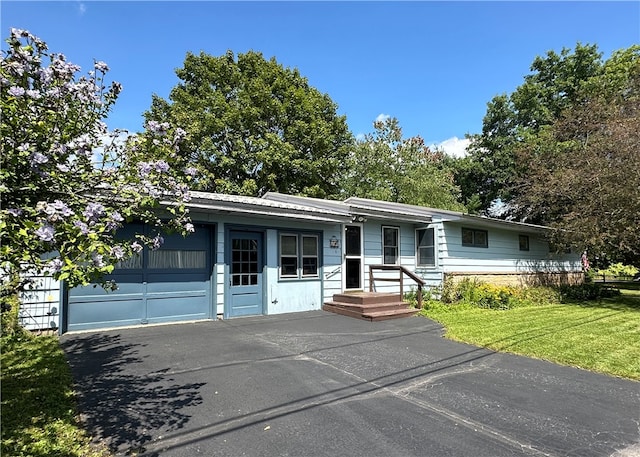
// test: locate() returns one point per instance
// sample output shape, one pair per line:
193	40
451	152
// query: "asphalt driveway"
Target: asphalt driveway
320	384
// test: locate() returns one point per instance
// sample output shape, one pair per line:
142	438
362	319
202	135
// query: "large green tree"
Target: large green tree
386	166
254	126
489	171
583	170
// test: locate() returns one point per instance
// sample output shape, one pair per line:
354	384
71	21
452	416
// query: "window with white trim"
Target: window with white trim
288	256
390	245
298	256
425	247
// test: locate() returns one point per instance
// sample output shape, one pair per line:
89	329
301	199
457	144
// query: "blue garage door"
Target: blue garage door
170	284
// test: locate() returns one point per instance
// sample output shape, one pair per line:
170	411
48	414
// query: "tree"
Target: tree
254	126
555	84
67	185
385	166
584	169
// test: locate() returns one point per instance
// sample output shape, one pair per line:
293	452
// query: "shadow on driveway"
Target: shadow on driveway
122	408
325	385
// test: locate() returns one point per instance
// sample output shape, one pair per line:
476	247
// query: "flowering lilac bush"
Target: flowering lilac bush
67	183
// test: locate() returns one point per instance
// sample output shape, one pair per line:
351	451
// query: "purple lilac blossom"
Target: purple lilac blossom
54	266
162	166
16	91
190	171
46	233
48	209
136	247
179	134
62	208
189	227
15	212
84	228
38	158
114	221
93	212
144	168
101	66
117	252
16	33
33	94
158	127
157	242
97	260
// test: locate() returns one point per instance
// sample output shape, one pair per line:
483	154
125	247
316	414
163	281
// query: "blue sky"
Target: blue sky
433	65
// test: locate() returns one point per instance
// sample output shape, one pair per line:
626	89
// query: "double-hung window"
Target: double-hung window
475	238
390	245
298	256
425	247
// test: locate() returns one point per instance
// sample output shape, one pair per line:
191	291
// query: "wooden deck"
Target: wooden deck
371	306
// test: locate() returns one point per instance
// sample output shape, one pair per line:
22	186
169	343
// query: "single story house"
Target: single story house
283	254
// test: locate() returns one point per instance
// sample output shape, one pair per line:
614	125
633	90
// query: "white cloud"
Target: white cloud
82	8
382	117
455	147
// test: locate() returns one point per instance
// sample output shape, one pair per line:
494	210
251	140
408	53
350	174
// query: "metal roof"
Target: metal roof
277	205
224	203
365	207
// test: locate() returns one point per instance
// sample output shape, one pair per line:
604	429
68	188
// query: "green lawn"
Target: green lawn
38	405
599	336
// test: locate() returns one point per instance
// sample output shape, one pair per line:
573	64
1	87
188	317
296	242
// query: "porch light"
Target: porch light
333	242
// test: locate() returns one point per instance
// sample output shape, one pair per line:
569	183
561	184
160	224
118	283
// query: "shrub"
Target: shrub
484	295
9	315
618	270
587	291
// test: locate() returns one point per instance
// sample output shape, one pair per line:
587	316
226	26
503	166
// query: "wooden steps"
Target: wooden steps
371	306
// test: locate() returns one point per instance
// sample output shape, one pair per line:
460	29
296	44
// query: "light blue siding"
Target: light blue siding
503	254
407	259
281	295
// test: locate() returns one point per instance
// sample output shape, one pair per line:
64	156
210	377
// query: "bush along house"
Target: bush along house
280	254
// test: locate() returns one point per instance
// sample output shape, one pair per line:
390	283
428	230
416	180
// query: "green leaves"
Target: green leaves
67	183
384	166
255	126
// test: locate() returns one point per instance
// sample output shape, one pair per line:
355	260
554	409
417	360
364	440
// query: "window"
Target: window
244	262
309	255
475	238
524	242
289	256
131	263
425	248
390	245
179	259
298	256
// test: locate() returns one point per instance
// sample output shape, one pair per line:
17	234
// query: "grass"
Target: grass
599	336
38	404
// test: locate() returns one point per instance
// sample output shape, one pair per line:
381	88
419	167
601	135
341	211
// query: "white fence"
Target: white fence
40	304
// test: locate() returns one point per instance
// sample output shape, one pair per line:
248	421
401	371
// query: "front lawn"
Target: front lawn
38	405
602	336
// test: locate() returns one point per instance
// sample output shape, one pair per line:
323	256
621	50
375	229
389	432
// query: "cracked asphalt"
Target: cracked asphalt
320	384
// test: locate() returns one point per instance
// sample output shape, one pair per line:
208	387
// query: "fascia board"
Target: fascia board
271	212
